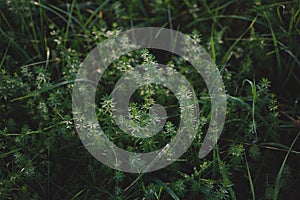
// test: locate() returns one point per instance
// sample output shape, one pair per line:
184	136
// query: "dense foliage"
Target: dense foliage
255	45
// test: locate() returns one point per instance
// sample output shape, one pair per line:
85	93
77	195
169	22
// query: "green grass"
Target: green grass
278	182
255	45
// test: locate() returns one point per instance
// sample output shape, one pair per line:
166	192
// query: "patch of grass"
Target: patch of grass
255	45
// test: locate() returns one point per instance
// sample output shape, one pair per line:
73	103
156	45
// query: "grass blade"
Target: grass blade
278	60
250	179
38	92
278	179
168	189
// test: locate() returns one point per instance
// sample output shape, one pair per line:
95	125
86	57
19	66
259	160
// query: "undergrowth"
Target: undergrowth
255	45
